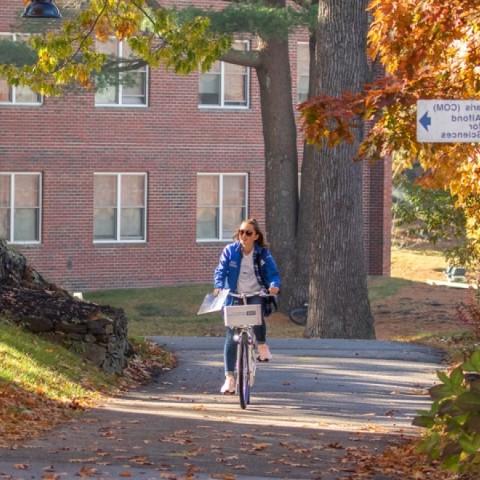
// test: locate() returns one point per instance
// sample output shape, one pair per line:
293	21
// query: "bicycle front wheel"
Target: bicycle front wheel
243	372
298	315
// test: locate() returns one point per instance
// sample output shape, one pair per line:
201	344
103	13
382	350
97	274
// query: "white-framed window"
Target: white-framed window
303	70
20	207
226	85
131	90
17	95
221	205
120	207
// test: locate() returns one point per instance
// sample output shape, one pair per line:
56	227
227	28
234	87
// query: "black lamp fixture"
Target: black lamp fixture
41	9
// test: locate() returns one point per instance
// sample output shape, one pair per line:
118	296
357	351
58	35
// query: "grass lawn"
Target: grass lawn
162	311
404	306
172	310
42	384
50	369
418	264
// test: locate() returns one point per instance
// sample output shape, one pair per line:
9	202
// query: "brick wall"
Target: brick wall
68	139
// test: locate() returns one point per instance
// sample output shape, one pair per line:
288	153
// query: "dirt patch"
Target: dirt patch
417	311
414	313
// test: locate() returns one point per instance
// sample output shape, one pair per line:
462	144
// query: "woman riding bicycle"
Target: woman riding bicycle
246	266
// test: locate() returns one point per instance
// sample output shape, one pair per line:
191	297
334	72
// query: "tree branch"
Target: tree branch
123	65
246	59
83	40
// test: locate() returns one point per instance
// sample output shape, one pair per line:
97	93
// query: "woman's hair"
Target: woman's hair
261	237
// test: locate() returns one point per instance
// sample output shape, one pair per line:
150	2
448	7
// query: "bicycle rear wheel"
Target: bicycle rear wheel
298	315
243	372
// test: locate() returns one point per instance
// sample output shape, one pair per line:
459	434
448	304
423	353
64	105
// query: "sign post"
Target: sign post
448	121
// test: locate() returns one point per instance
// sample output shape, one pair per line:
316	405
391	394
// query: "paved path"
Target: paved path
313	401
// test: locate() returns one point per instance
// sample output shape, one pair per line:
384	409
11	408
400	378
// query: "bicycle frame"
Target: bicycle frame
246	361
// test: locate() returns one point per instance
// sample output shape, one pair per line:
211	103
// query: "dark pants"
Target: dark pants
230	348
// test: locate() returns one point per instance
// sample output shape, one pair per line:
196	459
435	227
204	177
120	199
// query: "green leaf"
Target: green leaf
425	421
443	376
469	402
439	392
473	363
450	449
452	463
431	445
447	407
470	443
456	378
475	386
454	426
473	423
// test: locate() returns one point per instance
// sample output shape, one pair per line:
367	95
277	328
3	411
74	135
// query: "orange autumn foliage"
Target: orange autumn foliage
429	49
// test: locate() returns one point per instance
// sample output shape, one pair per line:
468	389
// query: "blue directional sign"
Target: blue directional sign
448	121
426	121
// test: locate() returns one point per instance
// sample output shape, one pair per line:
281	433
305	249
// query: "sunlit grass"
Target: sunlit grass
172	310
163	310
384	287
45	368
418	264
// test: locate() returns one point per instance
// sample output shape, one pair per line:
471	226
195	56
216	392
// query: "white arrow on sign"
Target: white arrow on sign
448	121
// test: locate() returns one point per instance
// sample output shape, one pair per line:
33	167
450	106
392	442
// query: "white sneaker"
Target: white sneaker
228	388
264	354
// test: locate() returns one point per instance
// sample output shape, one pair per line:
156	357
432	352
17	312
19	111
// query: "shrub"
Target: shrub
453	421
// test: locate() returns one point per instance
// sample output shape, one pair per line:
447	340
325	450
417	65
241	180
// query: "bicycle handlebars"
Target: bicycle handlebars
261	293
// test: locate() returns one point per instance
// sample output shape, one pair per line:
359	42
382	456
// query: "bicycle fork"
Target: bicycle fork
252	364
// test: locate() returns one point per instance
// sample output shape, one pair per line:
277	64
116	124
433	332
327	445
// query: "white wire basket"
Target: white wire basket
243	315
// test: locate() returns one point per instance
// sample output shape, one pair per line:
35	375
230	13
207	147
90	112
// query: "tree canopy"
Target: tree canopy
429	49
67	54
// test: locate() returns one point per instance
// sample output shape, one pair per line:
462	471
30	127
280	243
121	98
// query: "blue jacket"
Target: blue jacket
228	269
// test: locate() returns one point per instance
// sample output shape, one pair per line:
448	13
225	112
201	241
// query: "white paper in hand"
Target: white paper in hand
212	303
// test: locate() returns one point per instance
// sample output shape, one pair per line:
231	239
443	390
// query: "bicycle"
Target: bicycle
298	315
242	318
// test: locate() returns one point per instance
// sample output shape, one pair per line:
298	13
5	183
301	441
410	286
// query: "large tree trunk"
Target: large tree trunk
338	295
297	291
281	158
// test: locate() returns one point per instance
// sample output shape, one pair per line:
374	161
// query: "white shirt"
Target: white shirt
247	280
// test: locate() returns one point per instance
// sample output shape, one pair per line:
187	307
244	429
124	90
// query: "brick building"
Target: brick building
142	185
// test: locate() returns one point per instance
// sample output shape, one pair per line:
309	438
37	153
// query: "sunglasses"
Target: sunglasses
248	233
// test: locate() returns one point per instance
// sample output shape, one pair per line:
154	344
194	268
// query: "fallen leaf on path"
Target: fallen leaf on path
21	466
141	460
168	476
50	476
335	445
88	472
84	460
399	462
260	446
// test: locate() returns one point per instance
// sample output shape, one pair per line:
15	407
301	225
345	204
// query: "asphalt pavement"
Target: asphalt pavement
312	403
